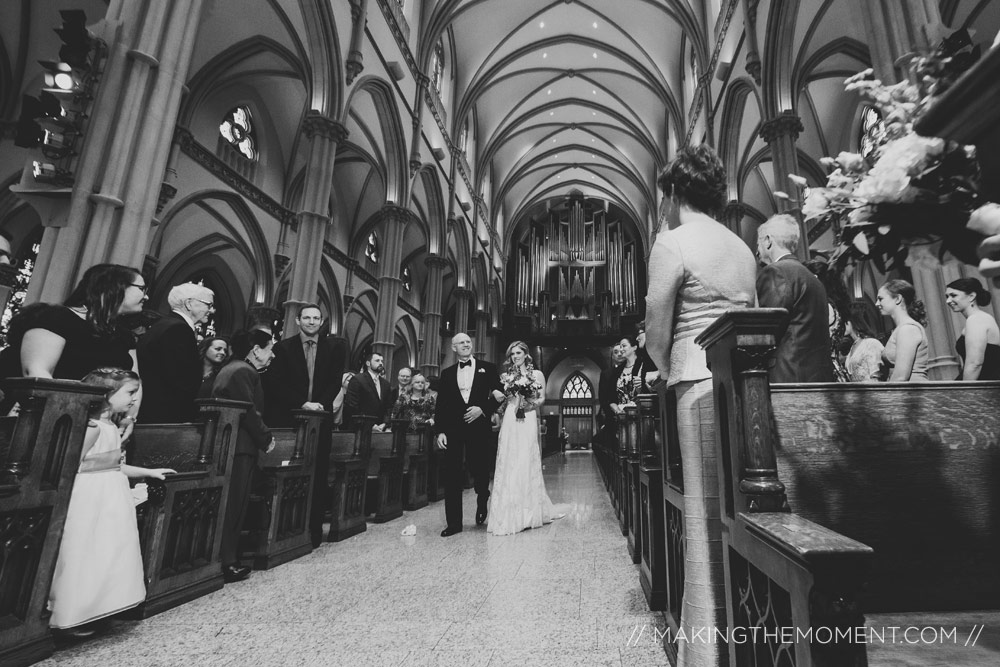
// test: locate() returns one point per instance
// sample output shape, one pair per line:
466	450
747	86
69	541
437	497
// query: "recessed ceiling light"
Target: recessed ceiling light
545	55
594	91
595	54
552	113
591	155
555	156
541	24
558	176
549	92
595	24
553	141
591	141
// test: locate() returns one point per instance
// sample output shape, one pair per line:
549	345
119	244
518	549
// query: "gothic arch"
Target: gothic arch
384	99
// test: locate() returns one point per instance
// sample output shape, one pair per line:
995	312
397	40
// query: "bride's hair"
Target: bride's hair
509	364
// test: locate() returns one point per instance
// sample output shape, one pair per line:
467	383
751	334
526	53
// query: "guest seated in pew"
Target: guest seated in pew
416	403
859	346
214	353
239	381
979	344
906	354
338	401
698	270
68	341
99	569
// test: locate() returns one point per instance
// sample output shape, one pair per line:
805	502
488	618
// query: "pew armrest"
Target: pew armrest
807	543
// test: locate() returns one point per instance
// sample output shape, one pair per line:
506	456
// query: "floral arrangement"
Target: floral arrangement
520	385
912	195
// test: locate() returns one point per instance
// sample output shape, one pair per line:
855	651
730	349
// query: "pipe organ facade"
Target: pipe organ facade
578	270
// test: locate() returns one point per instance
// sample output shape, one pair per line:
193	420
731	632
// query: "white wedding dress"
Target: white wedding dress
518	500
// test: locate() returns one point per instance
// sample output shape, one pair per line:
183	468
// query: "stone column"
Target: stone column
418	121
124	154
430	357
389	282
780	133
322	134
355	56
481	342
895	28
463	297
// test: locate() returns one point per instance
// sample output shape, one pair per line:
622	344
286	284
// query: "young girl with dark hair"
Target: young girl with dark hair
979	344
99	568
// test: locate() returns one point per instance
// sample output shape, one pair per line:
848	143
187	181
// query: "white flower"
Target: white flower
816	203
798	180
985	219
860	215
850	162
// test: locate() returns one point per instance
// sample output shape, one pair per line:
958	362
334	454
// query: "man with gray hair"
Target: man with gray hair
168	357
803	353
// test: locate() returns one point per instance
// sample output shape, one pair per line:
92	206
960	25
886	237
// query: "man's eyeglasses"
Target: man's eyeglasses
207	303
142	287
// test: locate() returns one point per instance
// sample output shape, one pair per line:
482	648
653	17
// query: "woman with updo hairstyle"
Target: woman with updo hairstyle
906	353
239	380
979	344
698	270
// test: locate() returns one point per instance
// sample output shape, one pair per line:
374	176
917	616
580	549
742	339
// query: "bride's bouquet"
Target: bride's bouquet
522	386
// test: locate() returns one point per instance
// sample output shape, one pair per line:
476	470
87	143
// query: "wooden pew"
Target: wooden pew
39	457
418	446
180	525
278	515
623	506
912	469
348	477
632	485
781	570
652	569
385	473
672	512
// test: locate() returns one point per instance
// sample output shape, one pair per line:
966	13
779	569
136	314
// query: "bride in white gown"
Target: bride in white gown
519	500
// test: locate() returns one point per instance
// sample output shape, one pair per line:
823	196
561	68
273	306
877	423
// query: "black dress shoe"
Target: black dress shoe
449	531
480	517
233	573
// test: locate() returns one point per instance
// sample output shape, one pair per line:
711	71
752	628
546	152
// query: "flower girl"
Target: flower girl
99	568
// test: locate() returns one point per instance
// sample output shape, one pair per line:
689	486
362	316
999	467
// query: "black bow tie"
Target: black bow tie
464	364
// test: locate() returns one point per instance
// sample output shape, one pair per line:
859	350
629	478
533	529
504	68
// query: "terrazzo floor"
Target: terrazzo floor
562	595
565	594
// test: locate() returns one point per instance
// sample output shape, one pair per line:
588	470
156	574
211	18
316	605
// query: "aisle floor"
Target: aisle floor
565	594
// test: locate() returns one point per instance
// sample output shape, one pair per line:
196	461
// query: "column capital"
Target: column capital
784	124
432	261
735	209
316	124
396	213
462	293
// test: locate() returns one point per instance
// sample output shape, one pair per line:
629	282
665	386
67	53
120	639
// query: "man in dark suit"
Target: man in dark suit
803	353
169	363
403	378
306	371
369	393
468	395
305	375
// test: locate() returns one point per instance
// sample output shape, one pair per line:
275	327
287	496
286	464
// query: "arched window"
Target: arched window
577	387
372	249
407	280
463	138
237	129
437	67
872	132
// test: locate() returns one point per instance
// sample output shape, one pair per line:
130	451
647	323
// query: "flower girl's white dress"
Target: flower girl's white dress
518	499
99	567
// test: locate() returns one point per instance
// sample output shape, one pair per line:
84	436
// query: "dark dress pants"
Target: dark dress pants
469	445
240	481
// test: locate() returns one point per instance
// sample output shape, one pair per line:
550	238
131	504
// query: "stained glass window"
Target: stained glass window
437	78
372	249
407	281
237	129
577	386
872	131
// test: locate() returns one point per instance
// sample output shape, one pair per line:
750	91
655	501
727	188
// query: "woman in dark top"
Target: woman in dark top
630	377
69	341
416	403
214	353
979	344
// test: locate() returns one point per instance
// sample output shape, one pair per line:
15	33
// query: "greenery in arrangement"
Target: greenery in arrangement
911	196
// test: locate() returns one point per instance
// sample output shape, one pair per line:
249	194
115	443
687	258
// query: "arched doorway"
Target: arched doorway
577	409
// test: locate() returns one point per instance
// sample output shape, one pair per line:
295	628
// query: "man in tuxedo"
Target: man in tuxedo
803	353
168	357
369	393
468	395
305	375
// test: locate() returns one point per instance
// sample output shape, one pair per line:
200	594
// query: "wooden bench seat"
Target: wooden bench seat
418	446
180	524
385	473
347	480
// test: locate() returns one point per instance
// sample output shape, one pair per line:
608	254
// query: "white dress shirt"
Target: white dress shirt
466	376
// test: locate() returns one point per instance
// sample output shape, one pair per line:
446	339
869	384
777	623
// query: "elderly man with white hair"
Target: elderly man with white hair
168	357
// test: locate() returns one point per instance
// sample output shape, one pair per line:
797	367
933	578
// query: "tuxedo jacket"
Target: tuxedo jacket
239	381
451	407
803	353
286	382
363	399
171	369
